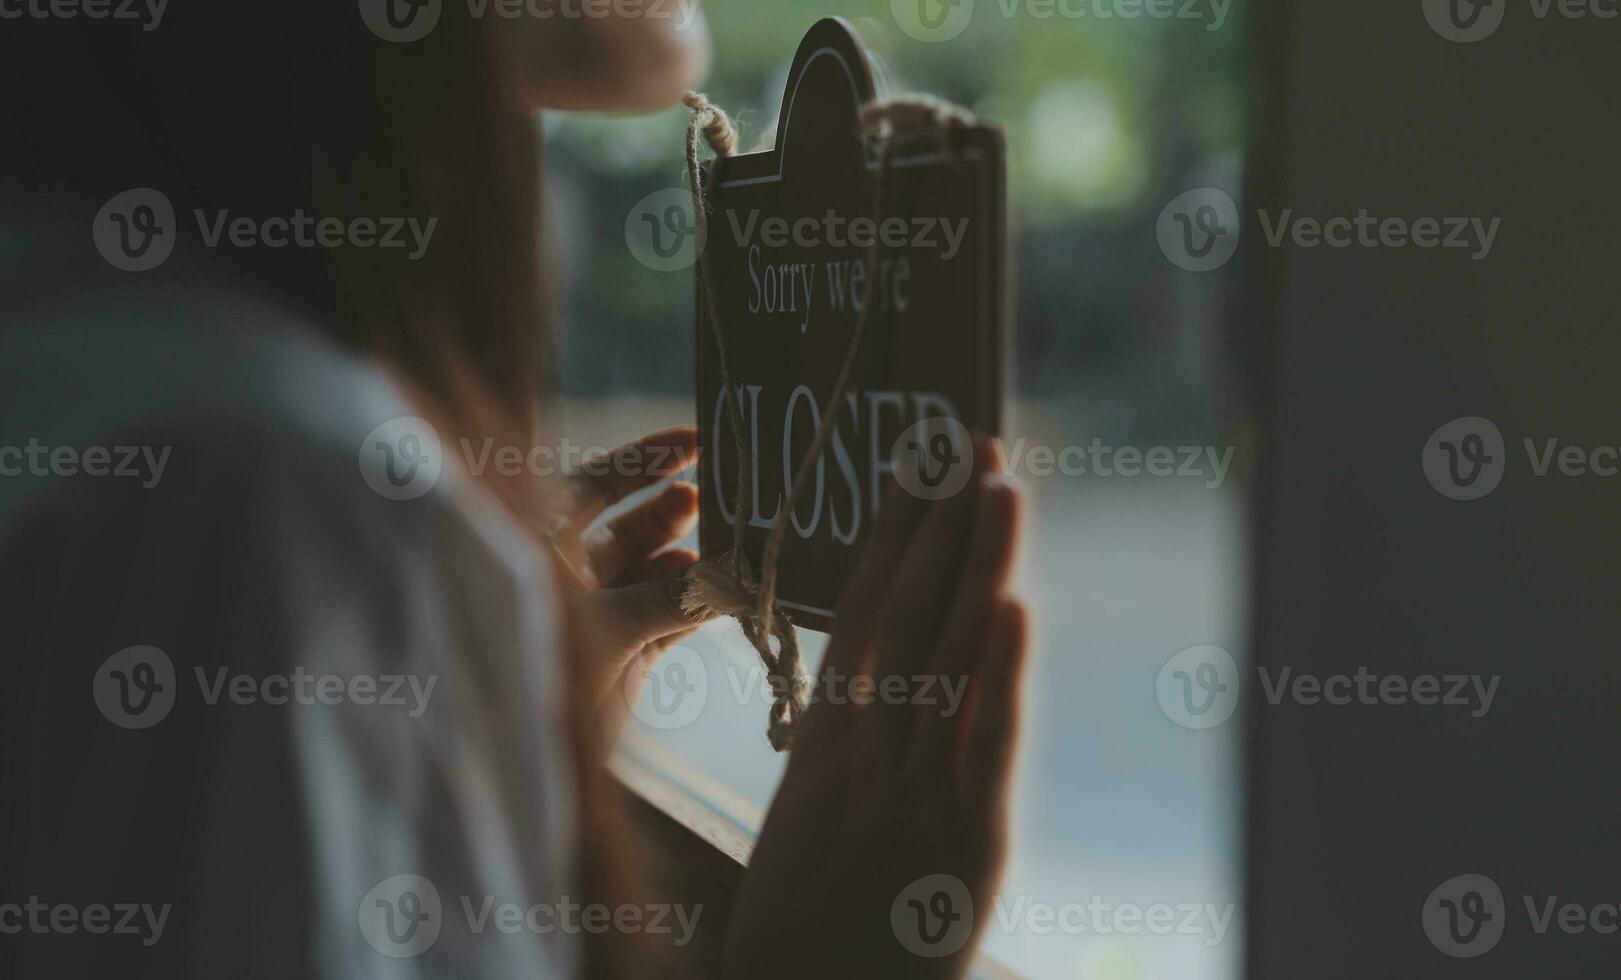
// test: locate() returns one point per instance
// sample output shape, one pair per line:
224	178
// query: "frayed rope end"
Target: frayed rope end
722	586
713	589
716	125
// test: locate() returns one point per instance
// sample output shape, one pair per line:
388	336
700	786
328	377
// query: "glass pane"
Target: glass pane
1126	813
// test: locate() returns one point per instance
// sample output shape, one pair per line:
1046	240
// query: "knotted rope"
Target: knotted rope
728	585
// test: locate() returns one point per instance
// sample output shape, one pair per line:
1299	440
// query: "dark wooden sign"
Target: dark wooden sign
788	238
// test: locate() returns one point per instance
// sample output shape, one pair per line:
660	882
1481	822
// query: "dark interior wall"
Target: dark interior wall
1359	812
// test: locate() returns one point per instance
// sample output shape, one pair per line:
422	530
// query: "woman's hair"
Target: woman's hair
272	110
269	110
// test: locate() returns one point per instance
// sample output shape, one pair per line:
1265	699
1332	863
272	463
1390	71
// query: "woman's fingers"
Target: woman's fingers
665	642
849	651
992	731
617	624
611	60
649	611
619	547
864	593
604	479
667	564
987	569
910	623
924	581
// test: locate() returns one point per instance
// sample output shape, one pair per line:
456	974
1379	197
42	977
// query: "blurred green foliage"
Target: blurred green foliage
1106	120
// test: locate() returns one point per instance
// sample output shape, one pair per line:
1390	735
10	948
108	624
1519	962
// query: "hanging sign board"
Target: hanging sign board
788	238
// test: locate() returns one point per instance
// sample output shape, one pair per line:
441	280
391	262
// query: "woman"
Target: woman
269	816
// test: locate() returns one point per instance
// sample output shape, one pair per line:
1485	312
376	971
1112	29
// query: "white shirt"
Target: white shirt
229	525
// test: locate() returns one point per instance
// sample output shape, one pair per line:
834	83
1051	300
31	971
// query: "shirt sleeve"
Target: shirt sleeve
291	727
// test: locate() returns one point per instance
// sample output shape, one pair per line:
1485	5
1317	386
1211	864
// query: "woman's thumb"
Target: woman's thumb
638	614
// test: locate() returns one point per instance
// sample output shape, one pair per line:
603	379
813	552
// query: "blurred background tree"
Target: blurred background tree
1106	121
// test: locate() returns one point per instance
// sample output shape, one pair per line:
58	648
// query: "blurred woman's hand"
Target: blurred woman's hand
622	580
891	820
623	56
